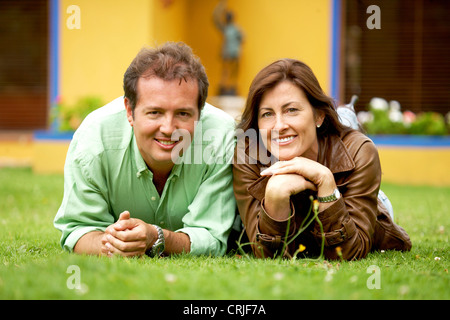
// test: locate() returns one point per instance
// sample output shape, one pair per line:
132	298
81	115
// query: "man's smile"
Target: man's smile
166	143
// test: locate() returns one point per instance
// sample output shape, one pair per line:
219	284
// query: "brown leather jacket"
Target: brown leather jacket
357	223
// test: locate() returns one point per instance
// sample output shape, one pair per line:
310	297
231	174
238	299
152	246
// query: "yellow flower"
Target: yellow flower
301	248
339	252
316	205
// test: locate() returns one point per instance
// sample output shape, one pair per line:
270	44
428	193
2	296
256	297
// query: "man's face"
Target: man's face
163	108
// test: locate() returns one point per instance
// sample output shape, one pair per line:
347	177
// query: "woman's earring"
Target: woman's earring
318	125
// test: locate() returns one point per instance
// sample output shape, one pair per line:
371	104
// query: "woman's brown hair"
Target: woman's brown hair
300	75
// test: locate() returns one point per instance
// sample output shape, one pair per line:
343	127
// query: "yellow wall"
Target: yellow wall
169	22
415	166
16	153
94	58
273	29
284	28
49	156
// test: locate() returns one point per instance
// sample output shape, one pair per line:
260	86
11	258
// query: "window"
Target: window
407	60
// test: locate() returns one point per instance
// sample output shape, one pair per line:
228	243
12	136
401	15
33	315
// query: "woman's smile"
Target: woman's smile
283	141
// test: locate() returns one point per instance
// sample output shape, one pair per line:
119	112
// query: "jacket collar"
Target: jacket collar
334	154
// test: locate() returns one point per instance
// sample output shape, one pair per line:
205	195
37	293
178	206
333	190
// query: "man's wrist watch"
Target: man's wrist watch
158	247
333	197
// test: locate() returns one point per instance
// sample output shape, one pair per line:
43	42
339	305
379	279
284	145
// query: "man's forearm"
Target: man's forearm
176	242
90	243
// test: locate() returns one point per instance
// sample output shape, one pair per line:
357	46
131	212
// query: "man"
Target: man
136	179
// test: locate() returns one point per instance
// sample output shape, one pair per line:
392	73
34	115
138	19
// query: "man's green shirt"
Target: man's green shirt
105	175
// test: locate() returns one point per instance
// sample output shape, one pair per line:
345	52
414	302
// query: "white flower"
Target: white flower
403	290
82	289
395	115
365	116
329	275
170	278
278	276
379	104
394	105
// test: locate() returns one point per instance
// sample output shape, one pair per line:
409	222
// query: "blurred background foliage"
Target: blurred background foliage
388	118
69	117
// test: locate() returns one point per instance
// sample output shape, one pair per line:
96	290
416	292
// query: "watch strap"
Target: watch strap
158	247
332	197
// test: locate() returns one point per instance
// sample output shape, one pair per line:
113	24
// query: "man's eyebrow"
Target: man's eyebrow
158	108
187	108
151	107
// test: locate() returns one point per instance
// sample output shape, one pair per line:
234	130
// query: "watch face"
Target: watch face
337	194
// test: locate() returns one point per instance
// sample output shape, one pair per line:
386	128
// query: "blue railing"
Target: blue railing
411	141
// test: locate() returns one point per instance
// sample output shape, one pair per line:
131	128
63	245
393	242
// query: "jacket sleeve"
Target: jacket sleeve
249	190
245	175
351	221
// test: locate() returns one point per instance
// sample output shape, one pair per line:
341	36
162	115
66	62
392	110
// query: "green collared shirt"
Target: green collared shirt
105	175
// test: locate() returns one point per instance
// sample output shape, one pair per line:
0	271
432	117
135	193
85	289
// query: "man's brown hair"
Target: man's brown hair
171	61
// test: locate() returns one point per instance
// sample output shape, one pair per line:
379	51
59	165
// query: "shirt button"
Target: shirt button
153	198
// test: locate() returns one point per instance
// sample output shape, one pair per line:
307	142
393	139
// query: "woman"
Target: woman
309	153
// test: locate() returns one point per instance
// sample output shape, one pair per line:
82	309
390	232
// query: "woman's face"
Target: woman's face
287	123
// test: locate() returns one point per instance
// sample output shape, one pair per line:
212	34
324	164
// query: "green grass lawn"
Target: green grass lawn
33	265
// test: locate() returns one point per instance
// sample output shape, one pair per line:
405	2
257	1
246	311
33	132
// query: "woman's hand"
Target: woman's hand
313	175
309	169
279	189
